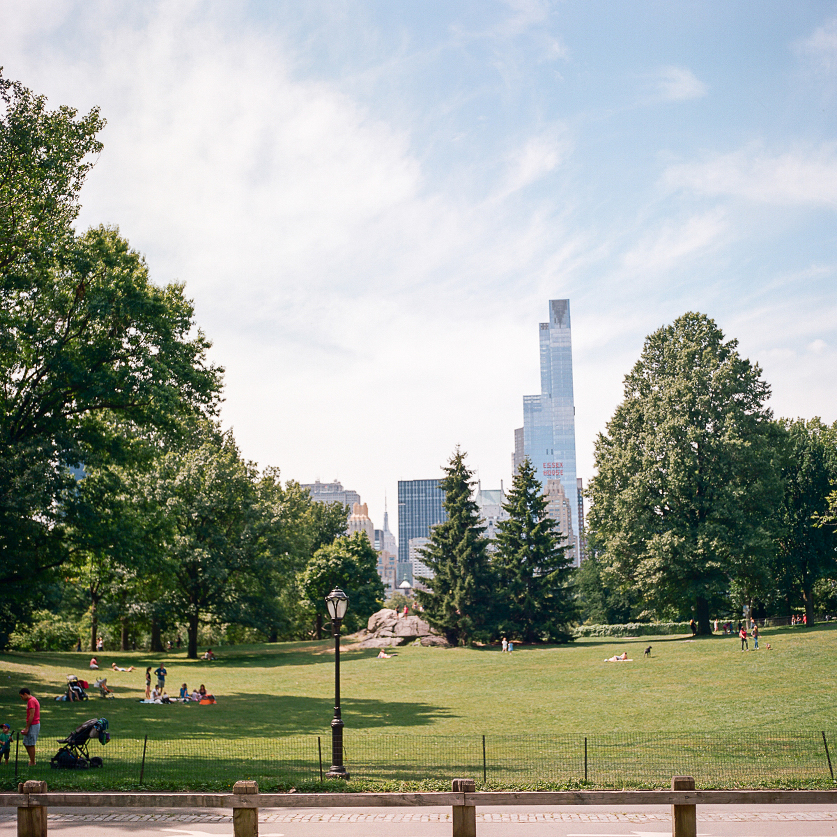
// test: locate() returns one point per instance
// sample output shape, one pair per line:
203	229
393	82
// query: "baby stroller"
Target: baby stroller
75	688
74	754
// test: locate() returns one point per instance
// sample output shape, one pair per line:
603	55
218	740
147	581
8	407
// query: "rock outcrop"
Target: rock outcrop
387	629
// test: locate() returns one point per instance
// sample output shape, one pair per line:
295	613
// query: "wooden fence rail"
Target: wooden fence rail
33	801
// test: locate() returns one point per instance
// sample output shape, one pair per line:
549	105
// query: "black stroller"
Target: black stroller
74	753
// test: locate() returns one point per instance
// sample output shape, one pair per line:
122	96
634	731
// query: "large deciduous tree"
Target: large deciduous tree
534	596
686	481
458	601
211	508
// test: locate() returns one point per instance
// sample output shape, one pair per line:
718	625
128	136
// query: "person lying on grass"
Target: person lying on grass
619	658
119	668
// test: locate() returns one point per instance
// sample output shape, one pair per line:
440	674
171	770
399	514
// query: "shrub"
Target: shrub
46	633
634	629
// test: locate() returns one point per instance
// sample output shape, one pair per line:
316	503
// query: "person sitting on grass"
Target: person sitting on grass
206	697
119	668
195	696
184	692
208	655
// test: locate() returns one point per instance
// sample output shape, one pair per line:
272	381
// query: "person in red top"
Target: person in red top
33	723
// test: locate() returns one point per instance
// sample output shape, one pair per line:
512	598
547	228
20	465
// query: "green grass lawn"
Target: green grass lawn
703	686
287	689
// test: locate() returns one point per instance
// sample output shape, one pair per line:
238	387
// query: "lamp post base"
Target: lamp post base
337	771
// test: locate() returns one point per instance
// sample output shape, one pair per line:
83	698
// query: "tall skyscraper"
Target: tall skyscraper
387	549
549	418
419	508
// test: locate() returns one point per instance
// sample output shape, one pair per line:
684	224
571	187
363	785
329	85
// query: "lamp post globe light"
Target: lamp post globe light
337	603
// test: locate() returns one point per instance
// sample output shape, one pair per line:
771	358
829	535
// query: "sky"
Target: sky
371	202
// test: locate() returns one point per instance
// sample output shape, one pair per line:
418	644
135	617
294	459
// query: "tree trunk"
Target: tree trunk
318	626
94	619
192	631
273	636
125	639
808	597
156	636
702	613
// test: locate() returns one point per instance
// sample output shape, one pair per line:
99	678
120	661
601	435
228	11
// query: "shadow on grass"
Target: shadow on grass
241	716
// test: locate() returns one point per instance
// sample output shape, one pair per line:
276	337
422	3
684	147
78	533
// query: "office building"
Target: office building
419	508
332	492
549	418
418	568
490	504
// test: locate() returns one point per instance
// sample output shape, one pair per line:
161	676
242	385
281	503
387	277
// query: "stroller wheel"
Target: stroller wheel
83	764
96	761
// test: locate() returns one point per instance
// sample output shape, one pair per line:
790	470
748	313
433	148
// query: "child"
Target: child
5	742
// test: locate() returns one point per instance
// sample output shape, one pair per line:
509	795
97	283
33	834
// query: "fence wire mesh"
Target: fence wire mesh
603	760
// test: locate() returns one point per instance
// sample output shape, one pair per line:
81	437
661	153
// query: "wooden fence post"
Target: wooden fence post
464	816
245	820
32	822
683	817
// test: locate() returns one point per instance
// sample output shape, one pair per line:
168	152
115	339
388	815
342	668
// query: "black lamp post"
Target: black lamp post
337	603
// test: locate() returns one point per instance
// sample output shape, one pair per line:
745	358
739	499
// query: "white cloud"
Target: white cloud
674	243
677	84
797	177
821	47
538	156
818	346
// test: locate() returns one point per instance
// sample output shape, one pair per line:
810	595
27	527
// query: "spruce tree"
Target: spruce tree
535	601
458	602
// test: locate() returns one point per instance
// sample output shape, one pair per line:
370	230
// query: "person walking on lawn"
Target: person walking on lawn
33	724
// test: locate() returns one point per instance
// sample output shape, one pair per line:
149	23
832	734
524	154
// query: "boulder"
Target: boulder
386	629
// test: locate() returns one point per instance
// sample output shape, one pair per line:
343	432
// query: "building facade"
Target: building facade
549	418
359	521
419	508
332	492
490	504
418	568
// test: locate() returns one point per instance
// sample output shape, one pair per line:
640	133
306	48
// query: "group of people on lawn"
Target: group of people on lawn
157	694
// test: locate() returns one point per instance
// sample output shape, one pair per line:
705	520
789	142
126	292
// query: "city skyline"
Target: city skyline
370	202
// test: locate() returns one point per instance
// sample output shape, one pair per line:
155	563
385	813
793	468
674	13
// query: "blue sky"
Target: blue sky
371	202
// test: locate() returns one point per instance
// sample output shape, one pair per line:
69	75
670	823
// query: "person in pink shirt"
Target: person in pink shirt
33	723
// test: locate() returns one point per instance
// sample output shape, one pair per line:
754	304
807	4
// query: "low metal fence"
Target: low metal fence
604	760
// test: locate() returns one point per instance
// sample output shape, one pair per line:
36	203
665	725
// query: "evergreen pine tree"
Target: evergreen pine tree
458	602
535	601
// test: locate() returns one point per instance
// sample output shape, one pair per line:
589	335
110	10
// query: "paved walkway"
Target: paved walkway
708	814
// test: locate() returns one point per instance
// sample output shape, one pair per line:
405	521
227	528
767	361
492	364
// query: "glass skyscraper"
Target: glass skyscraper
549	418
419	508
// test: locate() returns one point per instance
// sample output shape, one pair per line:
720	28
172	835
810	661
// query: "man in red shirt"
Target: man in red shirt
33	723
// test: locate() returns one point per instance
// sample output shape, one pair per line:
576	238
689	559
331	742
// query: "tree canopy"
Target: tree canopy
91	352
687	478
